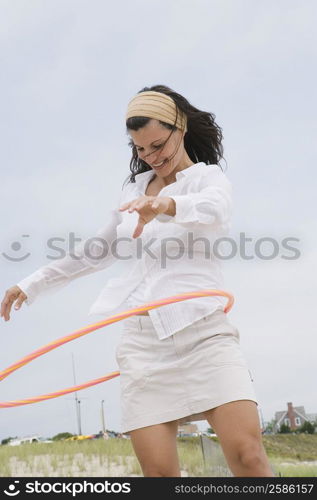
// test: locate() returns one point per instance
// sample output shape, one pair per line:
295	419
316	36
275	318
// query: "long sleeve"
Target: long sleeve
90	256
211	205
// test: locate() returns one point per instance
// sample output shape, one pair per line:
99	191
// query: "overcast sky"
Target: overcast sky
68	70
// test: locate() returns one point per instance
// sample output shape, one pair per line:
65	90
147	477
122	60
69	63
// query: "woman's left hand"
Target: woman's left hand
147	207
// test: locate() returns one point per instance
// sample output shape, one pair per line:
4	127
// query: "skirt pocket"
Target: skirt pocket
220	342
225	350
134	359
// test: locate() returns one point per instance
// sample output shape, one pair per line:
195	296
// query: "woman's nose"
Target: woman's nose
154	157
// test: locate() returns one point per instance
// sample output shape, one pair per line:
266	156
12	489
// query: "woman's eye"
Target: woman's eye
155	147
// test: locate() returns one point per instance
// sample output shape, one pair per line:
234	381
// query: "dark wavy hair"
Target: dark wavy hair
202	141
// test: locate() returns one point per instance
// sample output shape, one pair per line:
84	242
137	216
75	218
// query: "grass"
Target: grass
292	455
72	458
289	455
291	446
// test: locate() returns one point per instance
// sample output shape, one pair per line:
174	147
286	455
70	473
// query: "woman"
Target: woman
181	361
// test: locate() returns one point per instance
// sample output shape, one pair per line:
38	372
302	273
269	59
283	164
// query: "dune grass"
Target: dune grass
112	457
297	447
290	456
70	458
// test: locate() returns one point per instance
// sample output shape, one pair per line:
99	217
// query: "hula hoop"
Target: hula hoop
90	328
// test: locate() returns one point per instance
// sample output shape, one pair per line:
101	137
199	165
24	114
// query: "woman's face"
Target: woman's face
156	144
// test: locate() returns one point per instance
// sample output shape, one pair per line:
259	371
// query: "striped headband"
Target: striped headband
157	105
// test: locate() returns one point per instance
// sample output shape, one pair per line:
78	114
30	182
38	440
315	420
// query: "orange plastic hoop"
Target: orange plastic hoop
90	328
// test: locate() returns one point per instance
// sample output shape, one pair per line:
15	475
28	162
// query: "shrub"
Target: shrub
62	435
284	429
307	427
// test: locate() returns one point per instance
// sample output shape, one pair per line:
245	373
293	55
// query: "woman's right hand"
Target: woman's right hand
12	294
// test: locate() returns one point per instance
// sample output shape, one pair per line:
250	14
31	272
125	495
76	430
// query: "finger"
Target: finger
8	310
2	307
5	301
6	313
127	204
10	300
141	204
124	206
138	230
19	302
155	204
6	307
135	206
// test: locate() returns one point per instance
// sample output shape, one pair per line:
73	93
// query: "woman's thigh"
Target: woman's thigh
237	426
156	449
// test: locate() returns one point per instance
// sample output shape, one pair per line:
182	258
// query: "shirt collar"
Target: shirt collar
145	176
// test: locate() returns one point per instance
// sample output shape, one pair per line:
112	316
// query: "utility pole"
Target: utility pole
103	417
77	401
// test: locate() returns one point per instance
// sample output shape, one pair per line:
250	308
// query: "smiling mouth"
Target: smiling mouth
160	165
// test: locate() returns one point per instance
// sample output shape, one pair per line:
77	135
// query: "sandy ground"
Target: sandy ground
79	466
302	462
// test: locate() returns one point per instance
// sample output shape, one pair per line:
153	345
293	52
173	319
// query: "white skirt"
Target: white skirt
180	377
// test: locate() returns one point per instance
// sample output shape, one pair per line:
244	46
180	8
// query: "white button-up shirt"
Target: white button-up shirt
173	254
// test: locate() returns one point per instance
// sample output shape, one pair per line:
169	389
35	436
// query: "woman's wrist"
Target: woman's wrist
171	210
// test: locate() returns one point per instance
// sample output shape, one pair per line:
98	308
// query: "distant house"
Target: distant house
294	417
188	429
312	417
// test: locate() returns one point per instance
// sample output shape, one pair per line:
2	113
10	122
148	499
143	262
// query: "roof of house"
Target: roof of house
299	410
